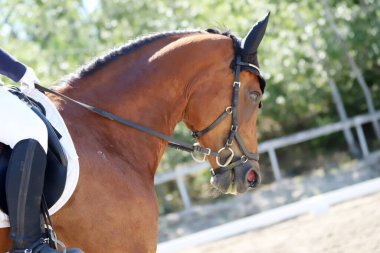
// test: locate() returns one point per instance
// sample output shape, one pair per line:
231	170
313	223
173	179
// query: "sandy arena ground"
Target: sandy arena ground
349	227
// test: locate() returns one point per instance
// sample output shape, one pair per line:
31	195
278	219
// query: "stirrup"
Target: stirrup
35	247
39	245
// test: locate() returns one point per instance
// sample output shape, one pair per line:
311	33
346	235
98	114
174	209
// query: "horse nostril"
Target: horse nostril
251	176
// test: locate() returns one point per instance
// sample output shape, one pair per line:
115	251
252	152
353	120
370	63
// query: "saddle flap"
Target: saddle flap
55	178
53	139
57	162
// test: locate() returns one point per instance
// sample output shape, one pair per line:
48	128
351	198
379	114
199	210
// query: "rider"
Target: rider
26	134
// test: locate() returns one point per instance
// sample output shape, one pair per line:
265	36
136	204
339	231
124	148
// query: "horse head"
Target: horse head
227	124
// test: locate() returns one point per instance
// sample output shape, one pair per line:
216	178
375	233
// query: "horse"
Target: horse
208	79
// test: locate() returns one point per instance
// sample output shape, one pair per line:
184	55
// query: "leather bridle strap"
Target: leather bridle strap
233	134
173	143
213	124
249	155
221	170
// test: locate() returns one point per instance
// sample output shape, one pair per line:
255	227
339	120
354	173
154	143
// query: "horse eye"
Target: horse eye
254	96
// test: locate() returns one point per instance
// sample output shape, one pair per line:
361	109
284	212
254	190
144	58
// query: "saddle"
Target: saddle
56	168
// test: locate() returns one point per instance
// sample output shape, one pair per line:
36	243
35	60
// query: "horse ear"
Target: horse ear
252	40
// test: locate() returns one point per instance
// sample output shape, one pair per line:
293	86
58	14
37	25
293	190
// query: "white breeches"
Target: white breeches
18	122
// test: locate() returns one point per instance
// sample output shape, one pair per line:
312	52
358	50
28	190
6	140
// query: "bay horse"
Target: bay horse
156	82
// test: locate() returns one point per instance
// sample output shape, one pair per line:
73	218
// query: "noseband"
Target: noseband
227	151
196	148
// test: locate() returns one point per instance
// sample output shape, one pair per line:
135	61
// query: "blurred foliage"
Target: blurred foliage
57	37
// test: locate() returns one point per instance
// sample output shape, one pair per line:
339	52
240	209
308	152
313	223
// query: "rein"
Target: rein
173	143
195	148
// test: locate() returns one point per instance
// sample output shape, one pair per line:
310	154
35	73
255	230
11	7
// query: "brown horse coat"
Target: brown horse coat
179	76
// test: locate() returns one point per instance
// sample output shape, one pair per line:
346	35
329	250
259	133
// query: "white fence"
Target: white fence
317	205
270	147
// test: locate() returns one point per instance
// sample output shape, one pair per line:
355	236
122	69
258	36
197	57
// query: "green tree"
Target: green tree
57	37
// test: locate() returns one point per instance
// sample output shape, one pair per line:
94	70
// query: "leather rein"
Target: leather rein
225	152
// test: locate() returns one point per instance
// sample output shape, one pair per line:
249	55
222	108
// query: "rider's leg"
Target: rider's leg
27	135
24	184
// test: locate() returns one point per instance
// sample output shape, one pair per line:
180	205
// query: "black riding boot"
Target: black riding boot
24	185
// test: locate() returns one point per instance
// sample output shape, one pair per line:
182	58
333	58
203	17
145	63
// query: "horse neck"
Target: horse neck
150	88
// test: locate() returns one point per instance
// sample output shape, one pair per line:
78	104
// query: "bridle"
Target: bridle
232	110
195	148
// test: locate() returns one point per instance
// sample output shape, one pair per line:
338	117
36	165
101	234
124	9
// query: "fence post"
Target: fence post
362	140
335	92
183	191
274	163
355	69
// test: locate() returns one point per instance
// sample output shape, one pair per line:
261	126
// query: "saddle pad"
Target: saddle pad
56	120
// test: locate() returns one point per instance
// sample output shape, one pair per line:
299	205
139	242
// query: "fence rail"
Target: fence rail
317	205
270	147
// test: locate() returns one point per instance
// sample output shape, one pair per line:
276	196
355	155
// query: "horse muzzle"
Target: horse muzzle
236	180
